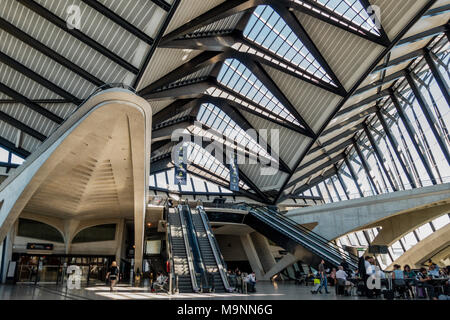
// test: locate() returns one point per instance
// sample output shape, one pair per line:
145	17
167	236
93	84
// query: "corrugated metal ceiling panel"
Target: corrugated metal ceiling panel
348	55
29	117
188	10
62	42
163	62
25	86
396	14
314	104
45	66
291	144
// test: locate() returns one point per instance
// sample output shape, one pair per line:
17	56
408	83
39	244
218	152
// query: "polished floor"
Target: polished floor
265	291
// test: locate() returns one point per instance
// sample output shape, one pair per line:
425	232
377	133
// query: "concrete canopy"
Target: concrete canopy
96	165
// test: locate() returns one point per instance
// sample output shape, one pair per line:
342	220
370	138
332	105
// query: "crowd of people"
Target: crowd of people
242	282
431	282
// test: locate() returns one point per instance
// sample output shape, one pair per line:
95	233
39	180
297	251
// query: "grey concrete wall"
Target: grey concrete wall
337	219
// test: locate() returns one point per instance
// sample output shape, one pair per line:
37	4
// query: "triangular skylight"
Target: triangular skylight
268	29
236	76
202	158
214	117
351	10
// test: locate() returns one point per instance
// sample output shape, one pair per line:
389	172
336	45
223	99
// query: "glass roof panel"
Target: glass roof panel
236	76
269	30
218	120
352	11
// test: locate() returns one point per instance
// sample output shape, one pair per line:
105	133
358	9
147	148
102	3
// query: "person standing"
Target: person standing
112	275
323	278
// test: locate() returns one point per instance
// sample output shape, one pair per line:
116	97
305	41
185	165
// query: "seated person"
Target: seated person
398	279
161	280
423	282
433	271
341	277
251	282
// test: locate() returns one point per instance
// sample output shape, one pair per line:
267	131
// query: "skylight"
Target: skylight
351	10
268	29
216	119
202	158
240	79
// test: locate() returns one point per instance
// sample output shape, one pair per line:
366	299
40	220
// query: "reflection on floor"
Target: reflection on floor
265	291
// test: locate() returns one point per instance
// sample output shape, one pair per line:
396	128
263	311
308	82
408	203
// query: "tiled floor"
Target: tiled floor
265	291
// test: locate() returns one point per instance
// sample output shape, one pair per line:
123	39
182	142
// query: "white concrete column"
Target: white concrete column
263	250
252	256
8	250
119	239
70	227
285	262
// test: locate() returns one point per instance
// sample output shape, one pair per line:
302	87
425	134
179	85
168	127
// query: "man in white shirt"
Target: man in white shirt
341	277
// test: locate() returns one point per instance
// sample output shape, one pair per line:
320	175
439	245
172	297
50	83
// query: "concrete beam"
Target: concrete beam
397	227
252	256
337	219
421	252
263	250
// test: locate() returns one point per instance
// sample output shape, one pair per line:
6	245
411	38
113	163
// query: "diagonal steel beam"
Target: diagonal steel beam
315	170
358	83
292	21
57	21
16	32
330	17
262	55
23	100
21	126
226	9
38	78
104	10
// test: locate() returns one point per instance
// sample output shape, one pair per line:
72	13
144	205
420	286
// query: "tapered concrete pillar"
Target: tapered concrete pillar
252	256
70	228
119	239
7	255
263	250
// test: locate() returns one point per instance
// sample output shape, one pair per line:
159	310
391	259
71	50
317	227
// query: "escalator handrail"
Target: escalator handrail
169	253
317	236
302	238
350	257
188	251
324	245
220	261
297	226
196	246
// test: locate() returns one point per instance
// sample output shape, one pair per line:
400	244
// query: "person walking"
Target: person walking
112	275
323	278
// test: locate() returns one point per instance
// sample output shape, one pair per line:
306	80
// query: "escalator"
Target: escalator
211	256
180	252
287	234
